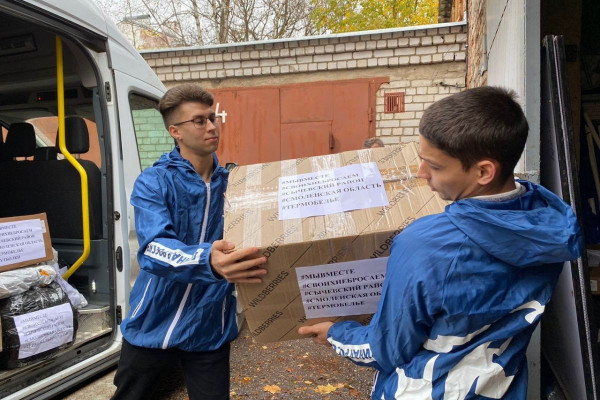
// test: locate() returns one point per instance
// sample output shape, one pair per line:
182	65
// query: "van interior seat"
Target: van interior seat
20	140
45	153
53	186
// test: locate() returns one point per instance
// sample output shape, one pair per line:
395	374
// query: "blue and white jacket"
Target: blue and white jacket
177	301
463	294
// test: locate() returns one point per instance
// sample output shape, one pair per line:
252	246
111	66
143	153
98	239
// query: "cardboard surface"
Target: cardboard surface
274	309
14	240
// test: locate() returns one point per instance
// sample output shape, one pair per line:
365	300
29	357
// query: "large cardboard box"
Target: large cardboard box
24	240
326	225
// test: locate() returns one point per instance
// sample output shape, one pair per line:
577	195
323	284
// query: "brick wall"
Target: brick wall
425	63
152	138
477	54
419	94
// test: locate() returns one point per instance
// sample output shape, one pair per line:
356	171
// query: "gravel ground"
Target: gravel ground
295	369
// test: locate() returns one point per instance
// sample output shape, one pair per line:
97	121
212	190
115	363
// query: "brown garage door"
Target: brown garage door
275	123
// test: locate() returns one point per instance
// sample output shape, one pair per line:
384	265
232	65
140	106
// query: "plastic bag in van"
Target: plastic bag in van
35	325
17	281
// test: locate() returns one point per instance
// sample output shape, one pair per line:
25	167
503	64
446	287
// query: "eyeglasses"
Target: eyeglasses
200	122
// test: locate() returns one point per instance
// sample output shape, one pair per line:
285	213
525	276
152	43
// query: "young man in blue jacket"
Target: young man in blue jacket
182	303
465	289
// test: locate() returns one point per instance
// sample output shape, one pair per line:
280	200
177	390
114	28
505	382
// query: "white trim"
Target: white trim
189	286
173	257
303	38
205	220
347	350
137	308
177	316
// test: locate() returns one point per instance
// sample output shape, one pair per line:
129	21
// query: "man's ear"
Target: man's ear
174	132
487	171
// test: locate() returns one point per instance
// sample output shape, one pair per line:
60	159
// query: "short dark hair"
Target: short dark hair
476	124
184	93
372	141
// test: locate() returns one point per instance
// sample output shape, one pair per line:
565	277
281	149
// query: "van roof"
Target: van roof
87	16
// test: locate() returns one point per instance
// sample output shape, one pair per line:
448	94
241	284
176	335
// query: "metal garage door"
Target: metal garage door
273	123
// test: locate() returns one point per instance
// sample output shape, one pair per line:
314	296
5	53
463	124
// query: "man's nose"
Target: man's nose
211	126
423	172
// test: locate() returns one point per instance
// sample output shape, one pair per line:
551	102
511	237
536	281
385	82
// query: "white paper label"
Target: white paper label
346	288
21	241
43	330
353	187
594	285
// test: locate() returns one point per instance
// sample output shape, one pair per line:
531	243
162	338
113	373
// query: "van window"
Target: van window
152	138
47	127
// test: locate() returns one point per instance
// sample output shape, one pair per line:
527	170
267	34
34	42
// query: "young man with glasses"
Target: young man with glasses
182	303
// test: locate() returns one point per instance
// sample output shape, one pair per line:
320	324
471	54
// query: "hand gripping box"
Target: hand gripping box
326	225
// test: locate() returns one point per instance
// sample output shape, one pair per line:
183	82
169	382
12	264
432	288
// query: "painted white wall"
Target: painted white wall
513	48
513	60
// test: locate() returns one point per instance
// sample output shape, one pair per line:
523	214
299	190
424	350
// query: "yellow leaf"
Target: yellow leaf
325	389
265	347
246	379
308	382
272	389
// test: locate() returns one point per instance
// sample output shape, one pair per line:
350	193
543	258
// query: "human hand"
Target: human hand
318	332
237	266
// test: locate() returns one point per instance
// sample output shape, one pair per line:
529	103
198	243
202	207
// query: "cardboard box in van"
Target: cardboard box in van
326	225
24	240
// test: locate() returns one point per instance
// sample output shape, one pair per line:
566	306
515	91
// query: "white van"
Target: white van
110	104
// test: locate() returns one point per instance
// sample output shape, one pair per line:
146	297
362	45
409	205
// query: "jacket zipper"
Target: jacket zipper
137	308
223	315
189	286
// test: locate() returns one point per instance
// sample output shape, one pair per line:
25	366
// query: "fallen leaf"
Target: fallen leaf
265	347
308	382
246	379
288	369
272	389
325	389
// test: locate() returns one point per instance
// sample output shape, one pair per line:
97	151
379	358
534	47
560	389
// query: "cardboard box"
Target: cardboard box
348	250
24	240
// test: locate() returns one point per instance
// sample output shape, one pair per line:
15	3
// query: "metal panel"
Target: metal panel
305	139
306	102
250	131
350	115
568	340
266	123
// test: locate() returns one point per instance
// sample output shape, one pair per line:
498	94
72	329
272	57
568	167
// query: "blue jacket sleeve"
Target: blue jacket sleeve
405	313
161	252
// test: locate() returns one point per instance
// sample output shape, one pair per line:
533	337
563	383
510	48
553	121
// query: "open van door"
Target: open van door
569	334
138	113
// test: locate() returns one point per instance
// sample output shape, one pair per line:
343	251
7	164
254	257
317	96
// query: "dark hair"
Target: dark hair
476	124
177	95
372	141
